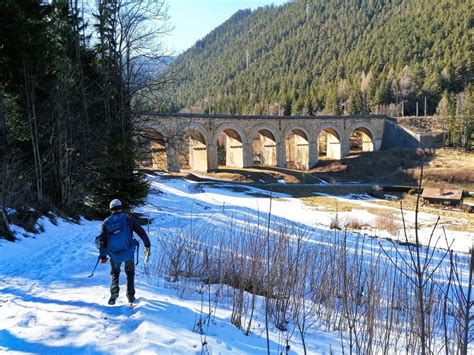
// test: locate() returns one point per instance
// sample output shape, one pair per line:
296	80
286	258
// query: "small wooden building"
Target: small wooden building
442	196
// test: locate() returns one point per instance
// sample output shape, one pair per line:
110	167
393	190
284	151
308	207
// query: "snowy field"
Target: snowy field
48	304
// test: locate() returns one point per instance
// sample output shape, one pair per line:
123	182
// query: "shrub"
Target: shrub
387	221
354	223
336	222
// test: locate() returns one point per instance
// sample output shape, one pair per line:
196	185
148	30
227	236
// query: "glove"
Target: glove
103	259
147	254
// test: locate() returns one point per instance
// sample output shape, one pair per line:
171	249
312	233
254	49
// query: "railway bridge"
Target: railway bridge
205	142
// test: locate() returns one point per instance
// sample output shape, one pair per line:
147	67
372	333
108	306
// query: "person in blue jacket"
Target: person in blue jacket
116	241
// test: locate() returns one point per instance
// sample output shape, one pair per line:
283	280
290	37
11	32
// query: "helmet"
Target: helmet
115	204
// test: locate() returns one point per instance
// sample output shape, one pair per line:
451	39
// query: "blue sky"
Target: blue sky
193	19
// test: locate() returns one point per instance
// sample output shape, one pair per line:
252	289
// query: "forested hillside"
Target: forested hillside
68	89
332	56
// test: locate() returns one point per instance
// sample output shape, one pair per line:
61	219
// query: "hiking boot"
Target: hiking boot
131	299
112	300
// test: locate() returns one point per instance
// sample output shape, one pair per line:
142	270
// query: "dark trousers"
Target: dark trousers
115	273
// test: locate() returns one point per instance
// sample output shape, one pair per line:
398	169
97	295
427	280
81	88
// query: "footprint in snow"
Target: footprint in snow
171	341
28	322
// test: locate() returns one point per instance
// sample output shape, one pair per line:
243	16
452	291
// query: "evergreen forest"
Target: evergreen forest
395	57
71	73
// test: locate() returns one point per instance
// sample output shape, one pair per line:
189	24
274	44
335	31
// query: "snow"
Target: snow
48	304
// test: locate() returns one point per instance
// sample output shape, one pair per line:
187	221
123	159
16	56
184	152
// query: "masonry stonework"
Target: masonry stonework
267	140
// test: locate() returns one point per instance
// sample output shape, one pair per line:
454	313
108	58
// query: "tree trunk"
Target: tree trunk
33	124
3	133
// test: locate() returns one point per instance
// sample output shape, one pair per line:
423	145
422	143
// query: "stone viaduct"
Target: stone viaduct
204	142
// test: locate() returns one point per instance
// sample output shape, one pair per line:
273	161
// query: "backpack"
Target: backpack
119	234
120	241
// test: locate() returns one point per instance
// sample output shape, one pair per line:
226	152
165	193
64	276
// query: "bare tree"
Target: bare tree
421	268
460	300
131	51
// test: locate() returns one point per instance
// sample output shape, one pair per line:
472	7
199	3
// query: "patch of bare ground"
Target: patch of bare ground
442	167
449	168
390	219
385	166
456	220
263	174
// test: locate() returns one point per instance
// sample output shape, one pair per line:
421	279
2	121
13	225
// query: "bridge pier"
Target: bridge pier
234	152
247	155
313	153
172	158
212	161
345	149
269	148
377	144
281	155
334	147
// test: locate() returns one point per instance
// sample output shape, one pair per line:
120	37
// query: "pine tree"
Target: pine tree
394	45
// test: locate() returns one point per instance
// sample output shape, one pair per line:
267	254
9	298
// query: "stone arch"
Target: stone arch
361	139
201	129
230	143
193	149
297	148
265	143
152	149
329	142
230	126
267	127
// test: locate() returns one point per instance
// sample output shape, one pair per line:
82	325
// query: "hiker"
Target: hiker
116	240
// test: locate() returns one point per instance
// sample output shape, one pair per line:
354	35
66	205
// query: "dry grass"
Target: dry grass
442	167
388	166
446	167
329	204
390	220
456	219
310	191
355	223
386	220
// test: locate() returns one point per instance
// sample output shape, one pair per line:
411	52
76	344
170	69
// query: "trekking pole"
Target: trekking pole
95	267
138	249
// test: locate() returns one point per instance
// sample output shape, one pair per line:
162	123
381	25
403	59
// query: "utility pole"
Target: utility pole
444	129
417	109
425	106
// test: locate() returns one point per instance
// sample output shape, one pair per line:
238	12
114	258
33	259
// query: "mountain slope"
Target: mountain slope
334	56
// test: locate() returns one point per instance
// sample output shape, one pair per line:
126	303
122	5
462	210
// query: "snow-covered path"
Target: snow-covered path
49	305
